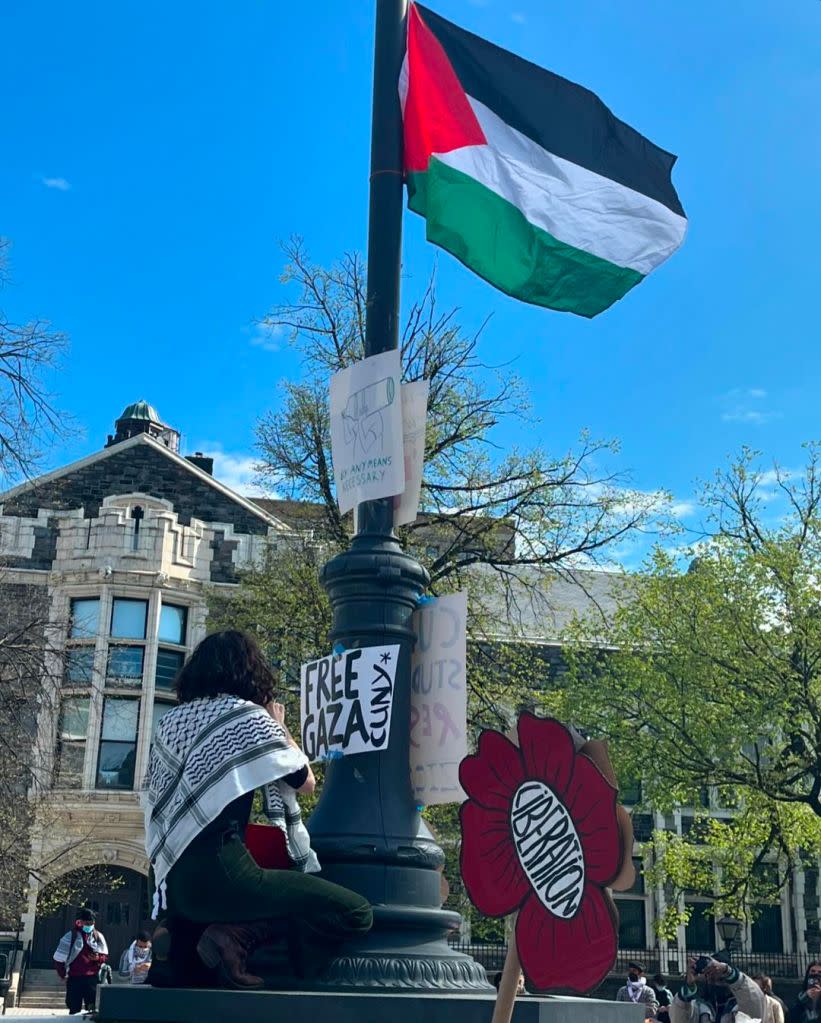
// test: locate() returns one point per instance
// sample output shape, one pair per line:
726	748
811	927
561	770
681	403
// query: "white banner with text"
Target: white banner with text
346	702
366	430
439	700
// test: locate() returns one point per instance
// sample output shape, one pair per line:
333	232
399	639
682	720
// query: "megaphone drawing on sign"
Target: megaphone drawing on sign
362	416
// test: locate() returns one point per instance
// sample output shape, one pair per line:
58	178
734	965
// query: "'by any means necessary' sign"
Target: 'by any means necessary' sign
366	430
346	702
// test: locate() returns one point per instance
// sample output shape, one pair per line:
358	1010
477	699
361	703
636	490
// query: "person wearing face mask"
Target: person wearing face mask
808	1006
78	958
637	990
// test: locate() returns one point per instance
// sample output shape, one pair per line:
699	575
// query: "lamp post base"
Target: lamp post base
366	829
407	950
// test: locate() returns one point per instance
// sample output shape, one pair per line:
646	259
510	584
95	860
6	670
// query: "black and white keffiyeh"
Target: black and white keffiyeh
206	754
71	945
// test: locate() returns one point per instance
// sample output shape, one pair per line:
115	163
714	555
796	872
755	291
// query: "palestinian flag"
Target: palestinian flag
527	178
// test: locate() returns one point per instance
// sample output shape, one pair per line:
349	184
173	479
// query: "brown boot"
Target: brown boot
227	946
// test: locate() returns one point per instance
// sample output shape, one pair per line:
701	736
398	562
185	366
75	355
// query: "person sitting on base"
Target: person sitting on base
135	962
638	990
715	992
226	739
78	958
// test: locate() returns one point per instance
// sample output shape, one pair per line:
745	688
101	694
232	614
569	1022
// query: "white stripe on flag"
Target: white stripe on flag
575	205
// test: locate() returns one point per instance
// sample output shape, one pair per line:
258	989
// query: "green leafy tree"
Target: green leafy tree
707	683
499	523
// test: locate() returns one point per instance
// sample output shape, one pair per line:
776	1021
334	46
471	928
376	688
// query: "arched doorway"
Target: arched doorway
117	895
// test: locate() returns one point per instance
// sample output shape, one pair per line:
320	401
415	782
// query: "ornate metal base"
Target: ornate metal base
405	952
405	973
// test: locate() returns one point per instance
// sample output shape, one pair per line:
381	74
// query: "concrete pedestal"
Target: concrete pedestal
154	1005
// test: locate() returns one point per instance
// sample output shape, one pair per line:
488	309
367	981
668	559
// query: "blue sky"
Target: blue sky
155	153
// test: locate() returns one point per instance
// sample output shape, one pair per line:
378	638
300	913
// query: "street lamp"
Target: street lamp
366	828
728	928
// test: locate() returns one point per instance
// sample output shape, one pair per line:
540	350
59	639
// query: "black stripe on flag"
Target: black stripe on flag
562	117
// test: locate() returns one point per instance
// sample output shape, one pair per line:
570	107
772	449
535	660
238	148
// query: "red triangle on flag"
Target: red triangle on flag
438	117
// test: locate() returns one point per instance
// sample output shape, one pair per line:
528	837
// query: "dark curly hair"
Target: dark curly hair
227	662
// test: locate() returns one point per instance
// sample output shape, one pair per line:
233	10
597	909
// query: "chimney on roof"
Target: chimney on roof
204	462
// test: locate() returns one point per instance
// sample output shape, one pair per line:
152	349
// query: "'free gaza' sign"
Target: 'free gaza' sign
346	702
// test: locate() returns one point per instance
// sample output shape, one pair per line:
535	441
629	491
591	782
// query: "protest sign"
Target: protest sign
556	795
346	702
414	414
366	430
439	700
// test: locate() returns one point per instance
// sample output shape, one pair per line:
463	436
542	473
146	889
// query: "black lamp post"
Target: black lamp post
366	828
728	928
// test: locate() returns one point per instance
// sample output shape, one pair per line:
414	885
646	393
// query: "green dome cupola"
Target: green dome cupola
140	417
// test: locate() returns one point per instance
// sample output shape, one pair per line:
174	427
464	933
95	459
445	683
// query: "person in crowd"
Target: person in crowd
776	1009
715	992
520	983
808	1006
664	997
226	739
638	990
81	953
135	962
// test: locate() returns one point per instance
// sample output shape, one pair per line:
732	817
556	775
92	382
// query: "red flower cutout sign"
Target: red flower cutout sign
541	834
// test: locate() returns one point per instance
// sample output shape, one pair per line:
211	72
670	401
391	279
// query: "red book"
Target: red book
267	845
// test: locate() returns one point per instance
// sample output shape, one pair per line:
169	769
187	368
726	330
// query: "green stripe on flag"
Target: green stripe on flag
494	239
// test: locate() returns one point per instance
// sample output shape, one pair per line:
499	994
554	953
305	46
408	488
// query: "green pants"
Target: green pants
217	880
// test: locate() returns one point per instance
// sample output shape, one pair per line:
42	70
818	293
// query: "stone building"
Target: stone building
109	560
117	550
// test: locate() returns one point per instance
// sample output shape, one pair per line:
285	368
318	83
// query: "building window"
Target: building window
128	619
171	652
630	791
85	618
632	918
699	932
632	924
766	932
125	665
172	624
125	661
71	744
79	665
84	623
169	663
118	744
124	646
